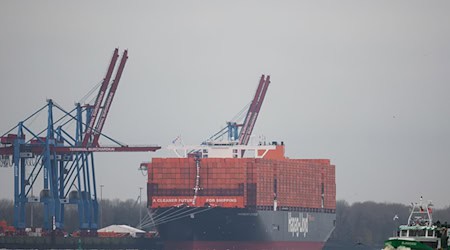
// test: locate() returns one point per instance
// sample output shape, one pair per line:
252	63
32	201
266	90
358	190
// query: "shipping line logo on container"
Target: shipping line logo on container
298	225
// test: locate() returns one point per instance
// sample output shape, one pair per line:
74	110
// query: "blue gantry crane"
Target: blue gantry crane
64	159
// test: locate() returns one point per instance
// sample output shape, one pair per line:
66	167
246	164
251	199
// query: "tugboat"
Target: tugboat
420	233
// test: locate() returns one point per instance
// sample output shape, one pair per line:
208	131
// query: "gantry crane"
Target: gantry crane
64	160
242	136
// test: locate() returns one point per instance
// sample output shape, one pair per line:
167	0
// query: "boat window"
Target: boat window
430	233
421	233
403	233
412	233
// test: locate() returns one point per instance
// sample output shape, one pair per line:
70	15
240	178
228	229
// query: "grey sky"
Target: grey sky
363	83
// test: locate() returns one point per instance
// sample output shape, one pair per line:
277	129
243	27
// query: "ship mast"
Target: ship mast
197	178
421	215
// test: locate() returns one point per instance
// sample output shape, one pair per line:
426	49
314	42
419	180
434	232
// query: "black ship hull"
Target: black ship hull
188	228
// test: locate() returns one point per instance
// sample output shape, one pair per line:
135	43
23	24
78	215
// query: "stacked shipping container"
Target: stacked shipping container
265	184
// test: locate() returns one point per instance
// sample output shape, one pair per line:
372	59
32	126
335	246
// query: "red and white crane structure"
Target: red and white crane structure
238	134
253	111
65	160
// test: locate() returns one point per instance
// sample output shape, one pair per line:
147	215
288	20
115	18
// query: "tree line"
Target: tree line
361	223
111	212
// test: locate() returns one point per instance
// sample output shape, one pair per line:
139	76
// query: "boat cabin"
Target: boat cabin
417	231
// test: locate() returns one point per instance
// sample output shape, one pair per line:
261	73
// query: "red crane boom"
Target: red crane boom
253	111
99	99
109	99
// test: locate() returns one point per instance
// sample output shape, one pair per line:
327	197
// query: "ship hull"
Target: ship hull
236	245
240	228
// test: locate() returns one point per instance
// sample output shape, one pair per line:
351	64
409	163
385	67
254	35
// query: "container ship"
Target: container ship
231	195
209	201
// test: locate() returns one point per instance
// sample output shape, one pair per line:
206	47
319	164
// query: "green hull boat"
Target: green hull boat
406	244
420	233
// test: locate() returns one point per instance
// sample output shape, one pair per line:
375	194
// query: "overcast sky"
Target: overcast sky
363	83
